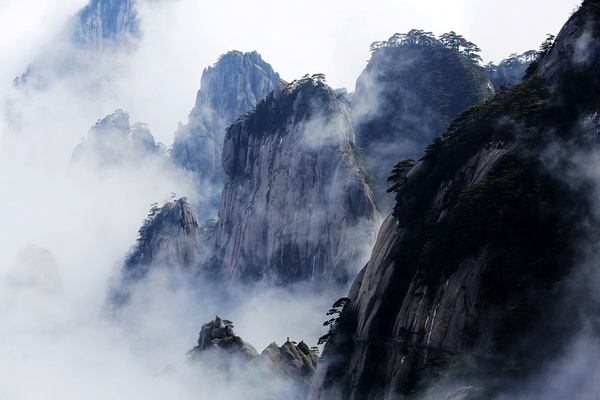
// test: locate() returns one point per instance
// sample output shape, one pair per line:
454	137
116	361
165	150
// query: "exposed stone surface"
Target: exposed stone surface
397	321
112	140
216	337
294	362
228	89
295	205
169	239
291	365
475	287
398	107
97	30
574	44
105	23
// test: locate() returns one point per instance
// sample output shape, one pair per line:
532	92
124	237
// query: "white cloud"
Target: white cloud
88	221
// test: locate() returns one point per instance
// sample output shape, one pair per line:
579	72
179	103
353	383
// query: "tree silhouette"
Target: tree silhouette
399	174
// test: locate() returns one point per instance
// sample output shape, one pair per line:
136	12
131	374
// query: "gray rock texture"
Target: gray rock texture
296	363
467	266
87	40
398	319
295	205
169	240
290	365
228	89
112	141
218	338
106	23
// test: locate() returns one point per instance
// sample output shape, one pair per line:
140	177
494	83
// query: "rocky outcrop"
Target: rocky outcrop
575	44
295	205
169	239
292	360
412	87
297	363
292	364
99	29
217	337
459	281
106	23
113	141
228	89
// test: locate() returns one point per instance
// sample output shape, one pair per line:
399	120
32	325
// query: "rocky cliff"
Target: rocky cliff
412	87
101	27
106	23
217	337
112	141
295	205
228	89
465	273
169	239
291	364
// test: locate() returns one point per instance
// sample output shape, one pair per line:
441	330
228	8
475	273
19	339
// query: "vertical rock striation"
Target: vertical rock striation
295	205
113	141
465	274
228	89
106	23
412	87
87	40
169	240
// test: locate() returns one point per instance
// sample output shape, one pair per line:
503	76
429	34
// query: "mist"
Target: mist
74	226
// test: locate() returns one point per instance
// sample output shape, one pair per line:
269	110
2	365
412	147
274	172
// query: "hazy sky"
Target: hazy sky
184	36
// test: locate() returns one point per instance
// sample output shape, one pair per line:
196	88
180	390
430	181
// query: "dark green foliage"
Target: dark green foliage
135	265
546	46
509	113
399	174
502	213
269	117
417	37
510	70
336	309
526	219
438	77
421	83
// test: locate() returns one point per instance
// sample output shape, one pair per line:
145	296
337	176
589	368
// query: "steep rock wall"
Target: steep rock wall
228	89
467	266
412	87
169	239
295	205
104	23
113	140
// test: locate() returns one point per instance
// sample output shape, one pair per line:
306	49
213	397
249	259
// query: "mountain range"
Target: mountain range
470	287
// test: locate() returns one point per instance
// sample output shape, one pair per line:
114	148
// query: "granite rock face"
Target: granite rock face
228	89
290	365
112	141
467	266
399	320
295	205
296	363
169	240
406	96
106	23
217	338
89	39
